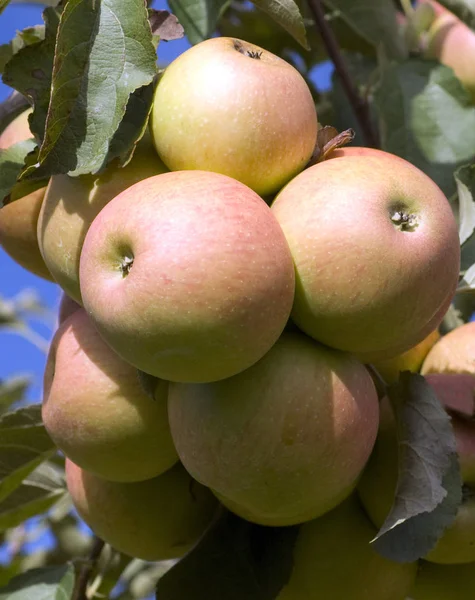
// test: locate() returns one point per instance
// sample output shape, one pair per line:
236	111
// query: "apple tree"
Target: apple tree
261	378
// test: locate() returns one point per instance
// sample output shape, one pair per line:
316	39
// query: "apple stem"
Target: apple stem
87	569
359	104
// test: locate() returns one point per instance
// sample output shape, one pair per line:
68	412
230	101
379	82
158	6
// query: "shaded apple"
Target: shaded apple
96	411
16	131
156	519
188	276
444	582
334	560
376	252
284	441
67	306
72	203
213	110
377	487
454	353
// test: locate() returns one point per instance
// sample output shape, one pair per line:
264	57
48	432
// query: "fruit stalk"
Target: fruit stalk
87	569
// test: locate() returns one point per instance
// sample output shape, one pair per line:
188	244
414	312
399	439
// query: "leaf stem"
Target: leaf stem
360	106
407	7
87	569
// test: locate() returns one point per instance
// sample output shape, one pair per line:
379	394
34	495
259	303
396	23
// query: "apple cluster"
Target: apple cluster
222	298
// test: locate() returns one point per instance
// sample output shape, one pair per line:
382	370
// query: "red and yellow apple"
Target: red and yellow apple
72	203
454	353
228	106
376	253
284	441
188	276
156	519
334	560
96	411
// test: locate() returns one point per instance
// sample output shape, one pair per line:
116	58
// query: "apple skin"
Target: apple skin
333	559
157	519
96	411
377	486
444	582
19	215
358	273
194	283
452	43
411	360
454	353
284	441
72	203
213	111
67	307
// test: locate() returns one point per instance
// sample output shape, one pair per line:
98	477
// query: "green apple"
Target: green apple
284	441
19	215
452	42
377	487
231	107
72	203
156	519
454	353
334	560
376	252
444	582
188	276
411	360
96	411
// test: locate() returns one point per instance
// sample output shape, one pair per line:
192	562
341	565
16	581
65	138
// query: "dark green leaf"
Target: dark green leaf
287	14
198	17
49	583
24	444
235	560
429	487
464	9
375	21
3	5
12	390
426	117
12	161
104	52
30	35
30	69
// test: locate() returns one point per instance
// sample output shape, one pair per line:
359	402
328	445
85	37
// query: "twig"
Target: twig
87	569
360	106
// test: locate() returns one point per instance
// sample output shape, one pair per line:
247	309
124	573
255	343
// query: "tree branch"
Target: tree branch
87	569
360	106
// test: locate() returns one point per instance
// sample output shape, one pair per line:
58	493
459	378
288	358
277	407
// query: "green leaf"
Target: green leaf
465	179
104	52
12	161
49	583
429	487
12	390
464	9
30	71
41	490
235	560
30	35
287	14
3	5
426	117
375	21
24	444
198	17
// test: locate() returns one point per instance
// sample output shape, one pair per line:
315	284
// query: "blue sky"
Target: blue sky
18	356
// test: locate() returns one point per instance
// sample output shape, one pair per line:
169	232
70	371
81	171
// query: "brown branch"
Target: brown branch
87	569
360	106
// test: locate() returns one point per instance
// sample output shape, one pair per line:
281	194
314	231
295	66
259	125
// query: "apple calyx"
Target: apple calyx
239	47
404	221
126	265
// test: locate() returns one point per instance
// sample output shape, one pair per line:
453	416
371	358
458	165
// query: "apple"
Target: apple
284	441
157	519
454	353
96	411
444	582
334	560
378	485
67	307
411	360
19	215
450	41
188	276
230	107
376	253
72	203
